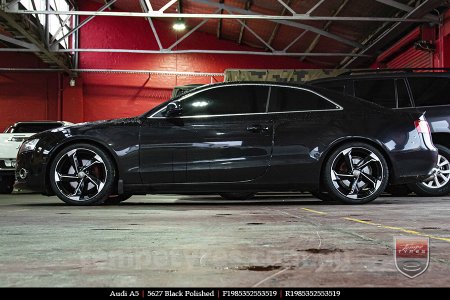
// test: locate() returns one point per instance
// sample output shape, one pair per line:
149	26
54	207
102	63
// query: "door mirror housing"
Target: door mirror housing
173	109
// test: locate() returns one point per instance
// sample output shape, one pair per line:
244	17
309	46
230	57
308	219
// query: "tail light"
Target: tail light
422	126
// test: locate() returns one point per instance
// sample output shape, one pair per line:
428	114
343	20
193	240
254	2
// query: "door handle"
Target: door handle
257	128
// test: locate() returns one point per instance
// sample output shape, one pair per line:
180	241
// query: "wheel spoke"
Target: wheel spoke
79	189
68	178
442	177
340	177
369	179
74	160
354	189
94	161
442	161
349	159
362	164
445	171
95	181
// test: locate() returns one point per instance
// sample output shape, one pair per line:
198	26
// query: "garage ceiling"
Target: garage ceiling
280	36
331	33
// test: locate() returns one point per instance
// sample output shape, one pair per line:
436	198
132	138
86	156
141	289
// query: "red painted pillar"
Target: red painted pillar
72	104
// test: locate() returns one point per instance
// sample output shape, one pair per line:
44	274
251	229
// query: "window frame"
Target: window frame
413	100
338	107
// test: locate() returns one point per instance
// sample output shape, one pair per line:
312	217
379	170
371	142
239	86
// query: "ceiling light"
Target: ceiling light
179	25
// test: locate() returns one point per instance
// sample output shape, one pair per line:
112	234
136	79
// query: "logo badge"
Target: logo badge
412	255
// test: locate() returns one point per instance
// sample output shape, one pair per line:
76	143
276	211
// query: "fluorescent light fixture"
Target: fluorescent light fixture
179	25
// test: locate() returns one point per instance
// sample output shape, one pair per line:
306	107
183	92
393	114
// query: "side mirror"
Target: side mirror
173	109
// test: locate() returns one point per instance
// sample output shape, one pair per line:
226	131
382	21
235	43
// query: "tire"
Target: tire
82	174
237	196
6	185
355	173
401	190
439	183
116	199
322	196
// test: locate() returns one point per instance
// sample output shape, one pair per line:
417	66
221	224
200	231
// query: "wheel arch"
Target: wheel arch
344	141
71	142
441	138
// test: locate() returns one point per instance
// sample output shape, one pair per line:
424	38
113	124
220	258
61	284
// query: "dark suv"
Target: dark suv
423	90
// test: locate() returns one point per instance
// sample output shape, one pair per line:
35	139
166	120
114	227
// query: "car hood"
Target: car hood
100	124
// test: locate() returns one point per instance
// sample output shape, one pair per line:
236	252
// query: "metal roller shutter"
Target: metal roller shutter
412	58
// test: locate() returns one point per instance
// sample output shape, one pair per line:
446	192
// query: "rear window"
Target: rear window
33	128
430	91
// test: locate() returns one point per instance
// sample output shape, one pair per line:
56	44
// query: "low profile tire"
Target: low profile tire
355	173
439	183
237	196
82	174
400	190
6	185
116	199
325	197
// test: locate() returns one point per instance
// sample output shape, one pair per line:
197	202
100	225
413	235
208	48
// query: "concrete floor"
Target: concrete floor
179	241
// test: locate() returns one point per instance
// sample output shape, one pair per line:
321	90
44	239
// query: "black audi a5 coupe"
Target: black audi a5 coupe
234	139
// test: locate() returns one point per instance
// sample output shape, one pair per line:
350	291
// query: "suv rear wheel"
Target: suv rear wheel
439	183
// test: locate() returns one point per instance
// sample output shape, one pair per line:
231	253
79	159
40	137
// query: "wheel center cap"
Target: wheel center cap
81	174
356	173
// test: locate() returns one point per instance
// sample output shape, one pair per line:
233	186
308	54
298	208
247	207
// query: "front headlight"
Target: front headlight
28	145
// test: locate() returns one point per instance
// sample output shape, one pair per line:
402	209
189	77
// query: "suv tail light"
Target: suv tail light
422	126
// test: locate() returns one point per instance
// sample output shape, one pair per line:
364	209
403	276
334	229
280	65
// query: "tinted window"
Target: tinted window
292	99
381	92
402	94
33	128
430	90
338	87
242	99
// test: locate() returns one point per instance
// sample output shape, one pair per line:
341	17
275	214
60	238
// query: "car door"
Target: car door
222	135
304	121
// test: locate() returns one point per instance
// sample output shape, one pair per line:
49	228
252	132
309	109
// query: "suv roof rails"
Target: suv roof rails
404	70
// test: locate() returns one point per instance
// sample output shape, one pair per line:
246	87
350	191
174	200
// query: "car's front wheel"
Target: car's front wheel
82	174
355	173
438	184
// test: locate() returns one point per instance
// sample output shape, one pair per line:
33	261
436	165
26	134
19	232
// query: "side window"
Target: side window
338	87
429	91
241	99
403	99
284	99
381	92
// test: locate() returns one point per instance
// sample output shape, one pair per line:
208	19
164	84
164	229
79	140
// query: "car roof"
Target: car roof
381	75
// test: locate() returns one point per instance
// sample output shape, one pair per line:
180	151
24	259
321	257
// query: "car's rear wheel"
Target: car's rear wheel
355	173
6	184
237	196
82	174
438	184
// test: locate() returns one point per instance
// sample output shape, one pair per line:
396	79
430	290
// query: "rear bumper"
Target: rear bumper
412	166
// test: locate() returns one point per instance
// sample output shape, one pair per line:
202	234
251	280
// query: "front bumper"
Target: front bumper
35	169
7	167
